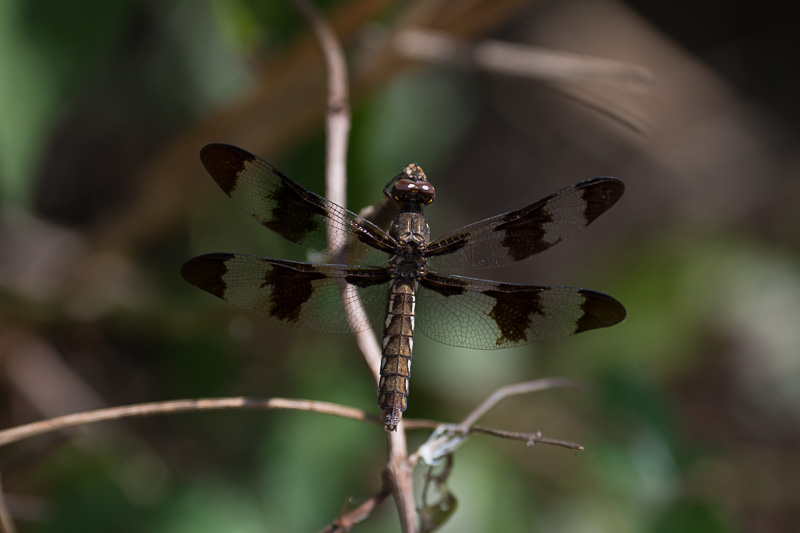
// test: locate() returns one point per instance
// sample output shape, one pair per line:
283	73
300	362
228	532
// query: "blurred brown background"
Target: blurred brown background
692	414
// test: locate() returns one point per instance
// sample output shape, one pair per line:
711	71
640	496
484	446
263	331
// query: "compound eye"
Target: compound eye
413	190
405	185
426	191
402	188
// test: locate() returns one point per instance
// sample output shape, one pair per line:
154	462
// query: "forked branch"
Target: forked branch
60	423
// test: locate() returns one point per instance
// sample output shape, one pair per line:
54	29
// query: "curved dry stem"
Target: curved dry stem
180	406
439	444
450	437
528	438
520	59
337	126
6	523
337	116
33	429
513	390
347	520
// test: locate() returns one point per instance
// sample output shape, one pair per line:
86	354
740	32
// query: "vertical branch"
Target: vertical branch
337	115
398	469
337	127
6	523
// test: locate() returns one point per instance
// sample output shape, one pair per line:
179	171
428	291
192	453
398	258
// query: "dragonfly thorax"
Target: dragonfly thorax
408	262
411	234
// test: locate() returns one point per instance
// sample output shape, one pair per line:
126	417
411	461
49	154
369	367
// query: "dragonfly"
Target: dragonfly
391	278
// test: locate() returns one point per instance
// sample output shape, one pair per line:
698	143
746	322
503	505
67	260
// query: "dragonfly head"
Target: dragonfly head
410	186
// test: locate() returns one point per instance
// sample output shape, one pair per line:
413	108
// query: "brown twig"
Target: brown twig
514	390
215	404
337	126
6	523
337	116
178	406
576	77
519	59
346	521
528	438
399	469
451	437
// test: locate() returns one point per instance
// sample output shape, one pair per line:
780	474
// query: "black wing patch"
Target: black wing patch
301	295
487	315
284	206
517	235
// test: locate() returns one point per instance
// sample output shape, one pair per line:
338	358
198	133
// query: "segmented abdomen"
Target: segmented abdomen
398	342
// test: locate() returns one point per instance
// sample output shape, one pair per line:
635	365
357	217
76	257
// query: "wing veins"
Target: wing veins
482	314
519	234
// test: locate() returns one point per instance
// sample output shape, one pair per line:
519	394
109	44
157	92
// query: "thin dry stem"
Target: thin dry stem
514	390
347	520
532	438
337	116
178	406
337	126
399	470
6	523
519	59
449	440
33	429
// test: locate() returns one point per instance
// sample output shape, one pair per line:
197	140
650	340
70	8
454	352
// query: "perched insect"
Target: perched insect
407	283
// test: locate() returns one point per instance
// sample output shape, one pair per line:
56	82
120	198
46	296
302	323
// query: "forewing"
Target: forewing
284	206
301	295
517	235
486	315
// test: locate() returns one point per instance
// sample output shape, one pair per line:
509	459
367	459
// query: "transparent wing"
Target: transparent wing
519	234
487	315
287	208
301	295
